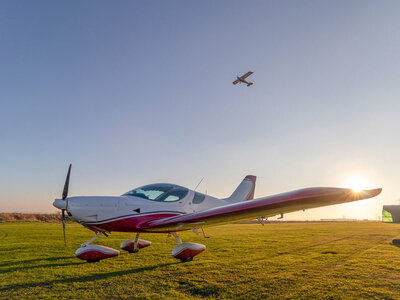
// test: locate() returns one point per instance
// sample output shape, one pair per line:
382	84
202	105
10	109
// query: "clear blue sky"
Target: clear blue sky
134	92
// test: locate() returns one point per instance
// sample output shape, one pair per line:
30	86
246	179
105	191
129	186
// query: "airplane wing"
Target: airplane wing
247	75
236	81
266	206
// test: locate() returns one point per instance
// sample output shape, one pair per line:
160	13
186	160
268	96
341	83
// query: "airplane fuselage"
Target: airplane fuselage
242	80
127	213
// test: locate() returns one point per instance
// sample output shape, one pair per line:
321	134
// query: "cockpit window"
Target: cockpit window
198	198
159	192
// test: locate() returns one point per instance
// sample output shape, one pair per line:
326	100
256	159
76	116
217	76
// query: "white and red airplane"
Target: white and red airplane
169	208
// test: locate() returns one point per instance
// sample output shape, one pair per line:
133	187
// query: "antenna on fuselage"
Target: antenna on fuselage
198	184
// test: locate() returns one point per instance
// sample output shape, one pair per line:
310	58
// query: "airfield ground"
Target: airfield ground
292	260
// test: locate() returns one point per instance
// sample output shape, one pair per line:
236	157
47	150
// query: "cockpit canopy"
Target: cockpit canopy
162	192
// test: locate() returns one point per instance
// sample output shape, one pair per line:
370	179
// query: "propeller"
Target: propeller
63	223
66	185
64	197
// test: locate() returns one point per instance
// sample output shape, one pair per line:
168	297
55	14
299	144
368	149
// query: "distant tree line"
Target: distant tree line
20	217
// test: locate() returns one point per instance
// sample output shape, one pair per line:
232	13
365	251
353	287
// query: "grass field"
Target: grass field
290	260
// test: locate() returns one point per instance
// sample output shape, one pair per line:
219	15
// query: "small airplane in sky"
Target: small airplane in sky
243	79
170	208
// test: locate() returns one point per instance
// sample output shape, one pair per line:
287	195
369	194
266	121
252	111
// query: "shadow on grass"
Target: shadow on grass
11	263
49	283
40	266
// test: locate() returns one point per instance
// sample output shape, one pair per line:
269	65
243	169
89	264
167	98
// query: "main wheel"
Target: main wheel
187	259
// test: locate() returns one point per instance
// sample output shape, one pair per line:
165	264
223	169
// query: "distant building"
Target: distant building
391	214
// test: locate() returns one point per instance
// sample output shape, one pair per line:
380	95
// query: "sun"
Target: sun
356	183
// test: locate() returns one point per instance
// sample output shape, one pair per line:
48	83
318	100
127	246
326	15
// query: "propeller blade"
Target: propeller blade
63	223
66	185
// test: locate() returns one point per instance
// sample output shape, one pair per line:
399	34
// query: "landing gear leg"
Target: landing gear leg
135	244
177	238
204	234
91	240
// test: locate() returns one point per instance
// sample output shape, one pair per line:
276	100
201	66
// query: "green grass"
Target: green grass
292	260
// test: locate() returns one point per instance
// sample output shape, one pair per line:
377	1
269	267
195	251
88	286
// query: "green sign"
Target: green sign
387	217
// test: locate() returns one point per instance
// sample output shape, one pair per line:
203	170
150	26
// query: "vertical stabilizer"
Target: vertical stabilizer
245	190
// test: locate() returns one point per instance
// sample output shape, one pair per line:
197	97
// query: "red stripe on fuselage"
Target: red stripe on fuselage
128	224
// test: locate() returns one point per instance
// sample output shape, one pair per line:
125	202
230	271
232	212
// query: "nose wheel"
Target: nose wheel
95	253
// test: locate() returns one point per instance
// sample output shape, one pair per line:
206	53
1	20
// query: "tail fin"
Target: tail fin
245	190
249	84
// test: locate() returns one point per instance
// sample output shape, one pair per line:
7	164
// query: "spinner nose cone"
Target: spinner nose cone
60	203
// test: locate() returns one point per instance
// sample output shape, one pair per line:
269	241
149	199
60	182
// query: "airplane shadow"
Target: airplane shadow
11	263
40	266
84	278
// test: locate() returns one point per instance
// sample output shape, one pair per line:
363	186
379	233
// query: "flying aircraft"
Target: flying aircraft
242	79
170	208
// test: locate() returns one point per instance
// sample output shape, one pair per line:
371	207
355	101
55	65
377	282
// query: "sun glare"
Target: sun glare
357	183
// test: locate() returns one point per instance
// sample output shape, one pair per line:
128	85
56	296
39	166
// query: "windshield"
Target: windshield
162	192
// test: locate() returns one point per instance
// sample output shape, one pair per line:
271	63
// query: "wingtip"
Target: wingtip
365	194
